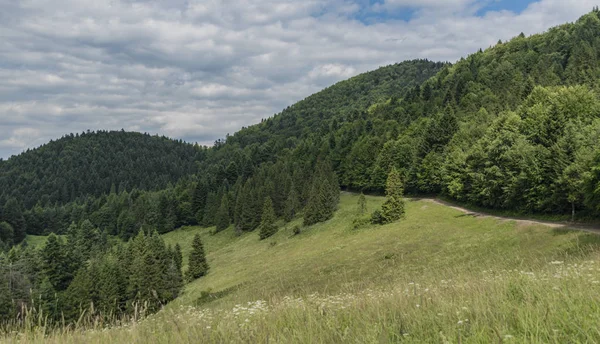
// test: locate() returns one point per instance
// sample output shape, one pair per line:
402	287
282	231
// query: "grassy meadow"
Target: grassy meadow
438	275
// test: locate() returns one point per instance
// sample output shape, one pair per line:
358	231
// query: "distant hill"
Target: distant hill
89	164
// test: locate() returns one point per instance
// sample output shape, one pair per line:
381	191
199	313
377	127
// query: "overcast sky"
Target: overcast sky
199	69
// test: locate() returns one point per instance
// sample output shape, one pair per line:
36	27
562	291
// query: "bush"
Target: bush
377	217
361	221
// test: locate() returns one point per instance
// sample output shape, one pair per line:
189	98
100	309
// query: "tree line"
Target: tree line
85	272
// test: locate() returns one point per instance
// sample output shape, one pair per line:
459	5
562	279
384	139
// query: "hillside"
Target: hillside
123	181
89	164
513	127
436	274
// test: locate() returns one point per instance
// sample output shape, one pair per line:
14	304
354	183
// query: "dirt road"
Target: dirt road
566	225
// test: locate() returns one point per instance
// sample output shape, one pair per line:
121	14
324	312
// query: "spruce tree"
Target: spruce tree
13	214
292	204
55	263
393	207
213	201
362	204
251	211
175	281
267	224
199	199
136	253
112	285
156	264
6	302
78	297
223	219
6	233
197	265
48	299
324	195
178	256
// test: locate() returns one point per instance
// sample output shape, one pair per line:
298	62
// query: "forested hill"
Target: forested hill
123	181
89	164
514	127
316	116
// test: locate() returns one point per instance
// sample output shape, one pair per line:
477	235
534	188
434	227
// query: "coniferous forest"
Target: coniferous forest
513	127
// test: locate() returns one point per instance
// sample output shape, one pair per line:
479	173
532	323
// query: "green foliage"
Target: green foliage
6	233
393	208
363	220
56	264
197	266
13	215
324	195
292	204
223	220
178	257
267	223
88	164
362	204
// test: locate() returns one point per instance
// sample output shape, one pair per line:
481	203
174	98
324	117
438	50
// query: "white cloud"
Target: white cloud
198	69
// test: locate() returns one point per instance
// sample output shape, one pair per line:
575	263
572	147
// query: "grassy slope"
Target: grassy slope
38	240
437	275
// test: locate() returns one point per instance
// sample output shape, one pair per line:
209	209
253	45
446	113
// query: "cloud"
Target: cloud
199	69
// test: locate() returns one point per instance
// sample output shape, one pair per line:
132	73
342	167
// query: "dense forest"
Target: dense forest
515	126
91	163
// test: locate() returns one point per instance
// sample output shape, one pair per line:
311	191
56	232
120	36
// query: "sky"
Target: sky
199	69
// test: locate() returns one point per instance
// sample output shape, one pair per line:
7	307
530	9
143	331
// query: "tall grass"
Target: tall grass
437	276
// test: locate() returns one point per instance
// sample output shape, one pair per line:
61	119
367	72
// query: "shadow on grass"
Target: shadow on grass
468	215
563	231
207	296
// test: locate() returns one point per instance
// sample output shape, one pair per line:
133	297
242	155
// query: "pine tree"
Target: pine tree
324	195
251	211
136	252
222	219
13	214
156	265
175	281
55	263
6	233
178	256
197	266
6	304
267	225
292	204
112	285
393	207
213	202
78	296
48	299
199	199
362	204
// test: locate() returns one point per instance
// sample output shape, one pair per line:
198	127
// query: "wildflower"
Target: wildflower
508	336
460	322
